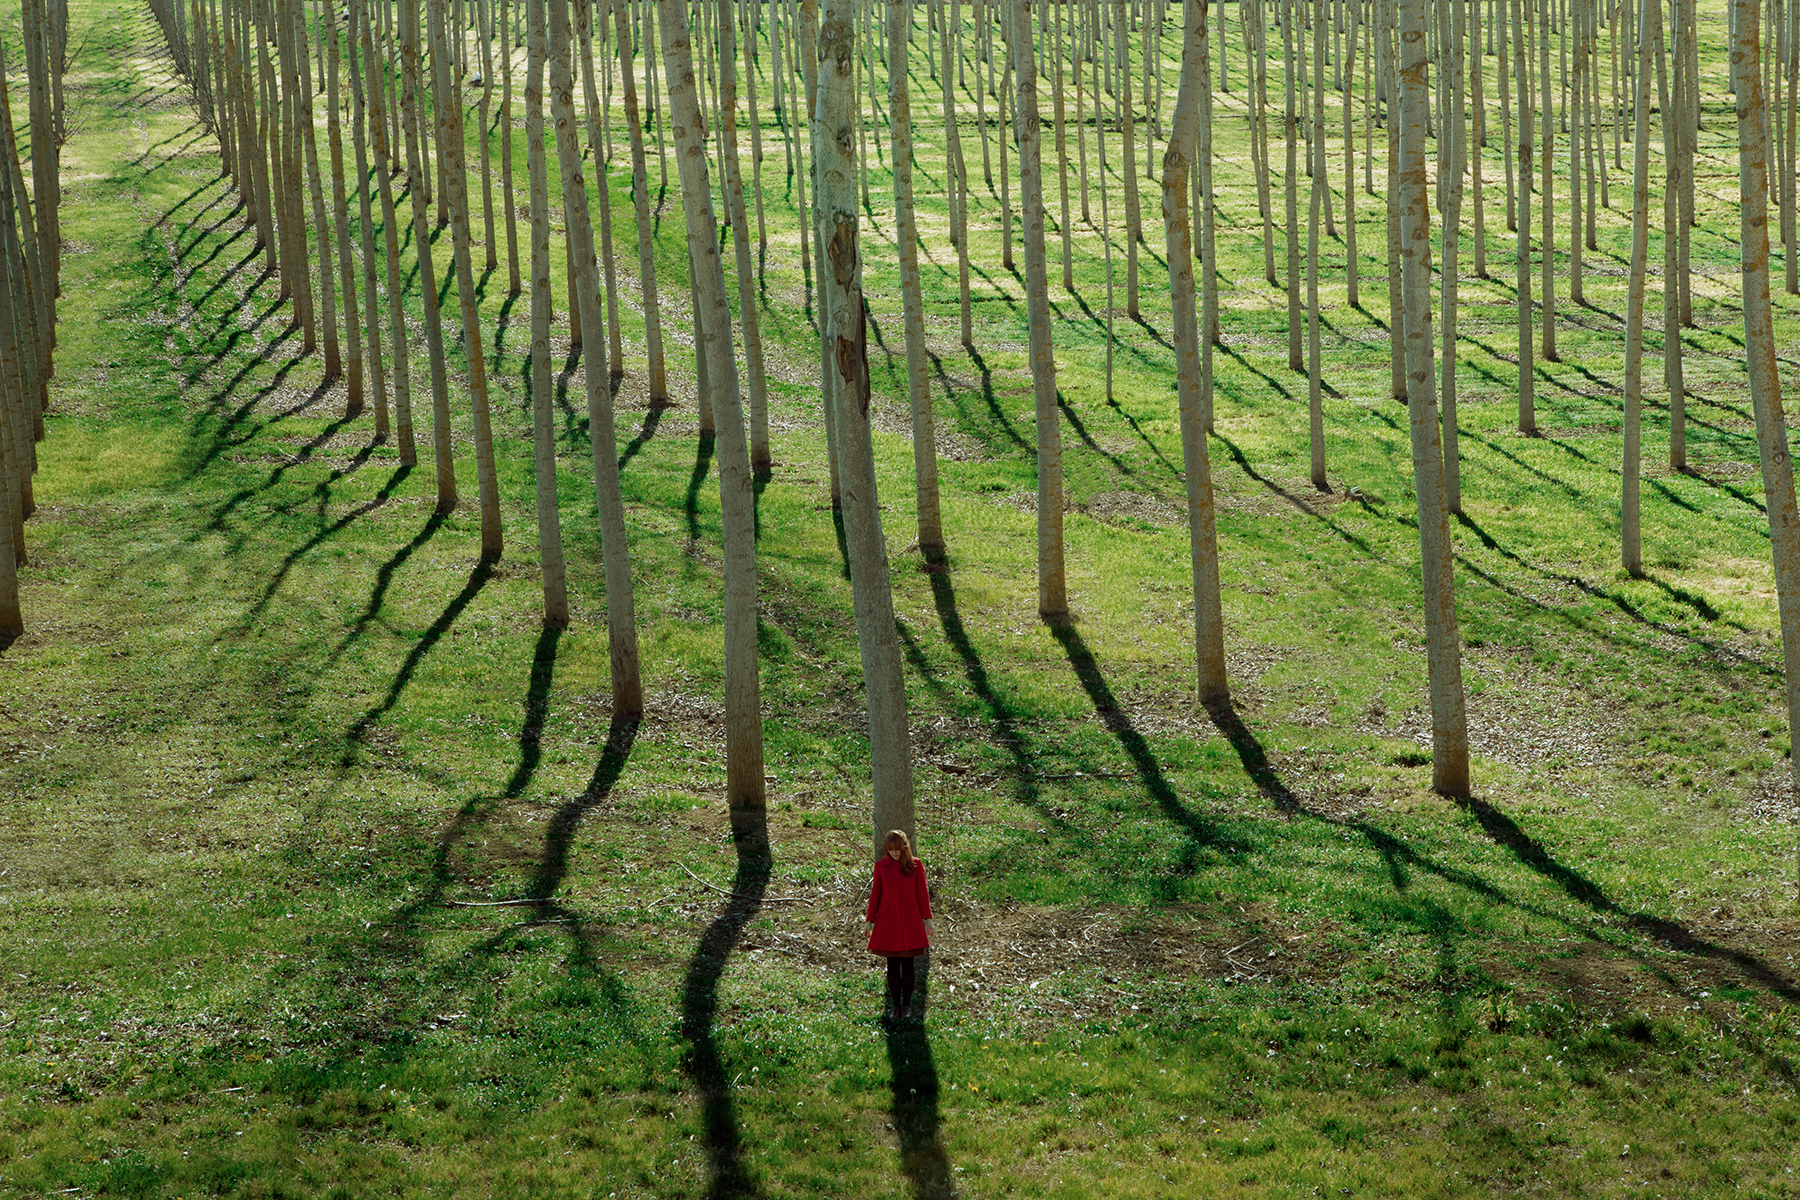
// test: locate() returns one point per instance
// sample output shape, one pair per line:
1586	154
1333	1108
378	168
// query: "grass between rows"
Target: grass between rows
273	727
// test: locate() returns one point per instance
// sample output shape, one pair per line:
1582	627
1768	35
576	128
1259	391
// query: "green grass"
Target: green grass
274	738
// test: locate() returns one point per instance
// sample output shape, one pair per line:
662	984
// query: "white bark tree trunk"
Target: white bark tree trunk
840	278
1449	726
543	416
1053	600
743	714
1759	339
1203	536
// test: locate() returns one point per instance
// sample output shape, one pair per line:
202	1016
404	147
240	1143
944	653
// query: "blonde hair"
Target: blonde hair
897	837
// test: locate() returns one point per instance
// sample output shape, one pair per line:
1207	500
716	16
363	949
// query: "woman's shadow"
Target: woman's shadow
915	1084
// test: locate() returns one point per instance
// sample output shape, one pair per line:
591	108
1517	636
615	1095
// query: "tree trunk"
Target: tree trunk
341	208
740	240
842	313
1631	547
1449	727
390	224
1527	399
1454	132
640	195
543	417
442	446
743	715
1547	272
359	122
1759	339
1203	539
456	195
1053	601
918	382
513	283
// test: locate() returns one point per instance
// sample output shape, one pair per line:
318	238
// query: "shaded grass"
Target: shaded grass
274	726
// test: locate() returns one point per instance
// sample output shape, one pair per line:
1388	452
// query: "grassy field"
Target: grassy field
276	741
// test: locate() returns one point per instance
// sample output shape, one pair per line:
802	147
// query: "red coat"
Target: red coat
899	907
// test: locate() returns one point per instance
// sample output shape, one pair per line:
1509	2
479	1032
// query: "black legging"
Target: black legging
900	979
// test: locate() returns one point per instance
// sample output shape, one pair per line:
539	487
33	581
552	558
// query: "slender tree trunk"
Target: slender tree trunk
1527	398
1455	132
1449	726
1291	189
918	382
1053	601
600	149
340	206
442	445
956	184
1759	339
640	195
390	224
1134	231
1315	401
1631	546
513	282
1547	273
543	417
359	120
1397	313
743	717
842	311
1348	86
760	457
1203	539
450	137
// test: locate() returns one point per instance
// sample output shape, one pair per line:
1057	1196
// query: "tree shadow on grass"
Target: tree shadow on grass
553	867
915	1086
1400	858
702	1063
384	579
323	491
652	419
478	578
1617	599
703	457
1243	462
1203	836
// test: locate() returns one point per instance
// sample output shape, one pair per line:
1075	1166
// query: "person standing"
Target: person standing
899	918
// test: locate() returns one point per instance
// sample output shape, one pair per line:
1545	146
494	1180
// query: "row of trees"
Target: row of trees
267	74
29	269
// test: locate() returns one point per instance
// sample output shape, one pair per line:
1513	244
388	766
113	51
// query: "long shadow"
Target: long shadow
691	505
323	491
652	419
484	571
1616	599
1238	457
384	579
1504	831
620	737
915	1087
703	1064
1693	472
1004	720
217	521
537	708
1087	439
993	402
1202	834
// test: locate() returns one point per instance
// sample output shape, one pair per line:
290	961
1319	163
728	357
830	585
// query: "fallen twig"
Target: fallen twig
741	896
494	903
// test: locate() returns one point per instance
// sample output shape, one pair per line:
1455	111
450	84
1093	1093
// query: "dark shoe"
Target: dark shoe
905	1011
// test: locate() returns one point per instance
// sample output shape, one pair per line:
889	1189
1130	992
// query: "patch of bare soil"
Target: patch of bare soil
1130	509
1673	966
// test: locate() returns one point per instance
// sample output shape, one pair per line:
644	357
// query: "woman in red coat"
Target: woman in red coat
899	917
